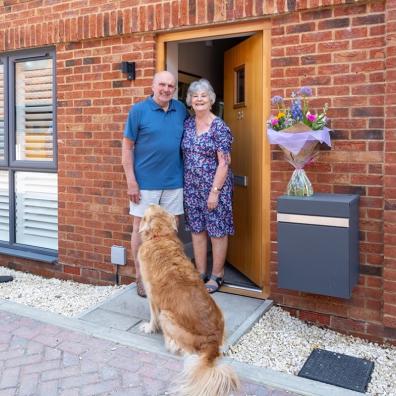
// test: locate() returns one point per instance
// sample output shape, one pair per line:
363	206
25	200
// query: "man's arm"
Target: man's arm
128	147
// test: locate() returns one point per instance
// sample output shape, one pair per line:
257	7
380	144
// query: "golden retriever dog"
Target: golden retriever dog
182	308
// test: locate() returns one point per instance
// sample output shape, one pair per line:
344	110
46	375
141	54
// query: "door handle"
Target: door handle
240	115
240	180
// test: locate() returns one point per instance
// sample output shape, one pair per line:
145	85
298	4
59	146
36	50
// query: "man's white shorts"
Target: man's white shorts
170	200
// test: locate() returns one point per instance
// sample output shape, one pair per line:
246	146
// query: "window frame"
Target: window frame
10	164
240	104
4	162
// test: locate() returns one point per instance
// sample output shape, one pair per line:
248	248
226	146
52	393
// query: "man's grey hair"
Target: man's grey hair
162	73
200	85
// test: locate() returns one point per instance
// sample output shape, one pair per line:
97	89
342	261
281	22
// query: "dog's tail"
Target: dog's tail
203	376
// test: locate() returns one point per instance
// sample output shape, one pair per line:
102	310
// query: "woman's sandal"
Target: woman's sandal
214	288
204	277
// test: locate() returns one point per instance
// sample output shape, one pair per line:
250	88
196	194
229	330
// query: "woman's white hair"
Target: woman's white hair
200	85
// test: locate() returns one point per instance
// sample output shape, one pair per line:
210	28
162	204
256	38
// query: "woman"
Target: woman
208	182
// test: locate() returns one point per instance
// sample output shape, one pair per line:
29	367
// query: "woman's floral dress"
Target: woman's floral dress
200	164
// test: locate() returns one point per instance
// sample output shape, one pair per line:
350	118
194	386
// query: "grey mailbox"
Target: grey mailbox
318	243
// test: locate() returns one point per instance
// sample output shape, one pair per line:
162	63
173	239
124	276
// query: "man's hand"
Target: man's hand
134	192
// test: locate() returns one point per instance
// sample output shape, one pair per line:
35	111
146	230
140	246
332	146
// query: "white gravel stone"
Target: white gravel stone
278	341
282	342
67	298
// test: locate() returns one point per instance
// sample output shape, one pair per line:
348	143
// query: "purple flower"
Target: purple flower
311	117
274	121
305	91
277	100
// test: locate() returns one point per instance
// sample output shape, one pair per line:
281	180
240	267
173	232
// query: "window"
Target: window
239	88
28	153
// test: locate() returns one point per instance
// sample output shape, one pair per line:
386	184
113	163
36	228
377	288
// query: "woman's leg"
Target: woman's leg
200	247
219	252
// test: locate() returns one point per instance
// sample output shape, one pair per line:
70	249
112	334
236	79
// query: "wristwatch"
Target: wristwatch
216	190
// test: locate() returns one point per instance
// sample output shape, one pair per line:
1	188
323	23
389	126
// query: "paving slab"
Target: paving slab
101	359
126	311
112	319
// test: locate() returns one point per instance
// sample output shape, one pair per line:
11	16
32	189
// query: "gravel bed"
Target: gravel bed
282	342
278	341
67	298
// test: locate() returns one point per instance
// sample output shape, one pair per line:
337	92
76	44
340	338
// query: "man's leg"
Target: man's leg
136	241
137	211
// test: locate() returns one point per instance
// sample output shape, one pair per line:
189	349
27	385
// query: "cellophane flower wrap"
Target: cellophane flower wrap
298	132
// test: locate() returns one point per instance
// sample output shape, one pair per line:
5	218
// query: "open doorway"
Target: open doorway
234	65
205	59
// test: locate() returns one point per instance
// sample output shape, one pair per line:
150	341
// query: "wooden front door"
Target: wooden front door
243	112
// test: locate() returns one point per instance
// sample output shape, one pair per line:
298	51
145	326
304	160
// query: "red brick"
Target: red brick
72	270
314	317
339	323
390	321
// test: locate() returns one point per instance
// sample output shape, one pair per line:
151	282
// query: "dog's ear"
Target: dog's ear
143	226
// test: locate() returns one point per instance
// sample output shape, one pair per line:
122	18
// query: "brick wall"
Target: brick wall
340	53
93	100
346	52
390	170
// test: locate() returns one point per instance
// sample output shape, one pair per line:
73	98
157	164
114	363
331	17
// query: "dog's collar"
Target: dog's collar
156	236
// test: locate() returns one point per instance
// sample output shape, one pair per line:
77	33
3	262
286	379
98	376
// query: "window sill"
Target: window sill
46	258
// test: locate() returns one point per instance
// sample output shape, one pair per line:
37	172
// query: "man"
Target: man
151	156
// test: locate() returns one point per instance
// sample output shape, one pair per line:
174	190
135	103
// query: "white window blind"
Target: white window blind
4	207
37	209
34	112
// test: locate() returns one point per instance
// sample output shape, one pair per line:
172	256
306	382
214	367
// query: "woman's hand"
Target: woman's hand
213	200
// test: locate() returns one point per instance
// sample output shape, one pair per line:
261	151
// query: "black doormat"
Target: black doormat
333	368
6	278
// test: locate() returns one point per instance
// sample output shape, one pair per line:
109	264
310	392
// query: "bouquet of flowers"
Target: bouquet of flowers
298	132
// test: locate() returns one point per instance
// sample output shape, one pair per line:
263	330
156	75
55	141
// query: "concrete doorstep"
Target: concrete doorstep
117	320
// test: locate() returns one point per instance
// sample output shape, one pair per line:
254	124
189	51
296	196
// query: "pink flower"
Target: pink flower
311	117
274	121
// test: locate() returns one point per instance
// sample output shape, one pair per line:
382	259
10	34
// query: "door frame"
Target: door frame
233	30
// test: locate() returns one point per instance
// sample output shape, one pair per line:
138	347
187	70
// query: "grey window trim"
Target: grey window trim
10	164
11	208
13	59
4	62
28	254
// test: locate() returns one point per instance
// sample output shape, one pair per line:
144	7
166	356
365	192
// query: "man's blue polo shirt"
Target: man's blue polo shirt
157	136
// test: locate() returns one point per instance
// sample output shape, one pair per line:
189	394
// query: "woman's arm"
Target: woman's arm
224	161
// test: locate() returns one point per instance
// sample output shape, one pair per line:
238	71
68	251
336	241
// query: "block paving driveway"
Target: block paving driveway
41	359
